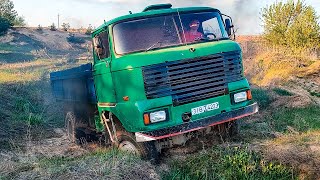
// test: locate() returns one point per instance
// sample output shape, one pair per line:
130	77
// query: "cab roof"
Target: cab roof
150	12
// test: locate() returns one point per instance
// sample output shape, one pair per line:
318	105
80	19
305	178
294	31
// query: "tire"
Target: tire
146	150
74	134
228	129
234	128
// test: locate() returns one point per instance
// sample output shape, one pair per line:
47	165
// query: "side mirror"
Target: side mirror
229	26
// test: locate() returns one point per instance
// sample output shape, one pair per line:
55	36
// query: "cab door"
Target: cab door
101	69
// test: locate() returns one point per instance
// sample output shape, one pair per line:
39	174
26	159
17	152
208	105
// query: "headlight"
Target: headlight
154	117
157	116
239	97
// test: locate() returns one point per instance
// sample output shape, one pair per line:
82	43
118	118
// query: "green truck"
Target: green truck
157	77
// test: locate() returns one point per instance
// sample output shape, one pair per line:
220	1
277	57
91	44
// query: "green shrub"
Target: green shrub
28	108
282	92
262	97
65	26
7	11
301	119
89	30
228	163
291	24
74	39
53	27
4	25
39	28
312	93
19	21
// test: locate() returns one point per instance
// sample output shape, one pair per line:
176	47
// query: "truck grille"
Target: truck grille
192	80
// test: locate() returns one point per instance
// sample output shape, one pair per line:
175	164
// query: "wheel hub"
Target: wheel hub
128	147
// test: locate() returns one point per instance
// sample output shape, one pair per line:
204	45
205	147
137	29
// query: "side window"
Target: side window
101	45
211	26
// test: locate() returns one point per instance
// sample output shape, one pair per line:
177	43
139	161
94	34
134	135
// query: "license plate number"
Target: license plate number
205	108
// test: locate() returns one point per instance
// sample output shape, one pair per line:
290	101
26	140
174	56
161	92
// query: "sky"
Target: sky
81	13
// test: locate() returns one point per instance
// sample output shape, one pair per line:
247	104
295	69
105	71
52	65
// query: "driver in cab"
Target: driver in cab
192	34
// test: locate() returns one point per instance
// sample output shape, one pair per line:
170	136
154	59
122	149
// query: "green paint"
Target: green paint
121	75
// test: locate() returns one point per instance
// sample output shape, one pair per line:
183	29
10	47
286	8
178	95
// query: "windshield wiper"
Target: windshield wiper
208	40
202	39
151	47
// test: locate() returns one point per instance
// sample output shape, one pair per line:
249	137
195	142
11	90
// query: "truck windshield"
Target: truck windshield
165	31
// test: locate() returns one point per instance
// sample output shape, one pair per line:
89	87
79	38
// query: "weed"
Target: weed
282	92
5	144
314	94
302	118
101	163
262	97
73	39
228	163
273	67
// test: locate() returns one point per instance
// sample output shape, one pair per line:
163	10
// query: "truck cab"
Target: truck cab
159	75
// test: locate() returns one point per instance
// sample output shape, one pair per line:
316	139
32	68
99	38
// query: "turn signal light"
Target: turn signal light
249	95
146	119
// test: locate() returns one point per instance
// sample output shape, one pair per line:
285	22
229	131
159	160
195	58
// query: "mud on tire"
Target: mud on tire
146	150
228	129
74	134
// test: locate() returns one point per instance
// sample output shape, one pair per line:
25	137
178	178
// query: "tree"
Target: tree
4	25
65	26
89	29
53	27
39	28
291	24
7	12
19	21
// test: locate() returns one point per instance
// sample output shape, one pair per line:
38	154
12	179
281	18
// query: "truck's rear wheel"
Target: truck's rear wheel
70	126
228	129
73	133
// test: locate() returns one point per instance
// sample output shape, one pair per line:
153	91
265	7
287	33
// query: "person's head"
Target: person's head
194	24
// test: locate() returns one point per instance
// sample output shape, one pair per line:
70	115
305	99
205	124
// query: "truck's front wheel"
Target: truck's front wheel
147	150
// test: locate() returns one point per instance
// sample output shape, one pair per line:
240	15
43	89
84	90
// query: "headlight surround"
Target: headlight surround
240	97
155	116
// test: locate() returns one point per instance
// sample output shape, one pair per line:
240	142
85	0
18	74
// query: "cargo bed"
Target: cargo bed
74	85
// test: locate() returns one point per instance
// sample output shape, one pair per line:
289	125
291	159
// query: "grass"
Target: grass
262	96
100	164
26	98
317	94
282	92
279	119
301	119
273	67
228	163
14	48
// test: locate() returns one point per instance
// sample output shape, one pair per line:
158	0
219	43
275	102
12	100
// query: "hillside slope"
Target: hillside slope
25	44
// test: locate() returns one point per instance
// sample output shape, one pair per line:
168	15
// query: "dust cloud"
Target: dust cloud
245	13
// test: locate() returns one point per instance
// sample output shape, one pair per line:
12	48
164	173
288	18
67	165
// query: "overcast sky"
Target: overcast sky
81	13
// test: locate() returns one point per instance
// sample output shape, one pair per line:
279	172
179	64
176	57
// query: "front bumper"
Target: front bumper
197	125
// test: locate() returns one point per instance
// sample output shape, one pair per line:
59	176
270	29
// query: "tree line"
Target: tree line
8	16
